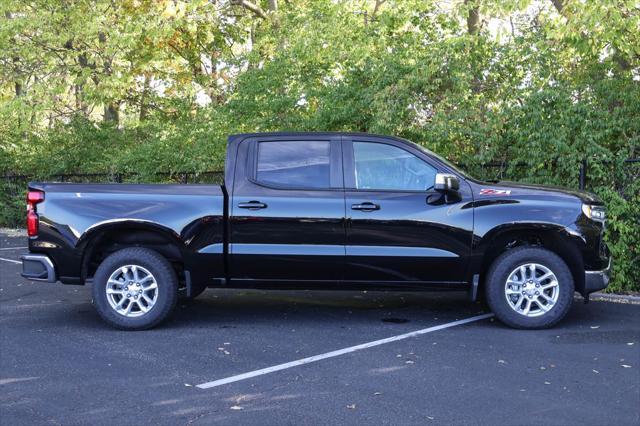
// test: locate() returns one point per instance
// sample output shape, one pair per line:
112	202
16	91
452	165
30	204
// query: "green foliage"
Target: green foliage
539	88
12	206
623	235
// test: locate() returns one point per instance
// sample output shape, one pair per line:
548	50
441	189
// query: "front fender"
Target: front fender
481	243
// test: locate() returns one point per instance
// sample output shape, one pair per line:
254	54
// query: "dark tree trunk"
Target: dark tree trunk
111	113
18	87
111	109
559	5
473	16
144	107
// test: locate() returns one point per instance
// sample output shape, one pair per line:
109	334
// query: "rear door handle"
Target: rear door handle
252	205
366	207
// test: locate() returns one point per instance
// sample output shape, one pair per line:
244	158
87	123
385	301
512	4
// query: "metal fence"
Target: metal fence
15	185
499	171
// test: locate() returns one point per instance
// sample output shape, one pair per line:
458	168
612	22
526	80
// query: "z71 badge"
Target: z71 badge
489	191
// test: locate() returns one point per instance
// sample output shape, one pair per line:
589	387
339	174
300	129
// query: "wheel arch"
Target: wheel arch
101	240
555	238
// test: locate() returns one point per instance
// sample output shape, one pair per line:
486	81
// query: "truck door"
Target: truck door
394	235
287	210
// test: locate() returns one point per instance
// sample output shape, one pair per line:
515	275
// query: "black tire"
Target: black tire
499	272
167	288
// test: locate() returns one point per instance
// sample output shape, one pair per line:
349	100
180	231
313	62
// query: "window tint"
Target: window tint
381	166
296	164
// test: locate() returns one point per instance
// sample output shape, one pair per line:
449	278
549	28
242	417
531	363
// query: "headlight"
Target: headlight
594	212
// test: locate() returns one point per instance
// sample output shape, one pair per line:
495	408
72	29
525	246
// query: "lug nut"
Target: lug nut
530	296
537	285
128	295
537	293
524	292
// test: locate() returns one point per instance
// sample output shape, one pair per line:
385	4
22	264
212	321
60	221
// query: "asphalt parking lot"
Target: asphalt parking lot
59	364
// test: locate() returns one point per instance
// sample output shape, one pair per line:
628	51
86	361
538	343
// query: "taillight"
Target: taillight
32	222
33	198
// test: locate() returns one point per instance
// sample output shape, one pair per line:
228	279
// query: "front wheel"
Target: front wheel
529	287
135	289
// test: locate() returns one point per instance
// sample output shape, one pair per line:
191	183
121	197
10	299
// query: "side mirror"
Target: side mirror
446	182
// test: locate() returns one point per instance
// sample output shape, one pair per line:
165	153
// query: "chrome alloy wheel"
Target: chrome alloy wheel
532	289
132	291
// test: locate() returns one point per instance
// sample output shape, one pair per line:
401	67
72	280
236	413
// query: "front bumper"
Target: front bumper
38	267
597	280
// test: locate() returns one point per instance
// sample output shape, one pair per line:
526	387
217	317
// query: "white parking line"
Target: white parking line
13	248
10	260
338	352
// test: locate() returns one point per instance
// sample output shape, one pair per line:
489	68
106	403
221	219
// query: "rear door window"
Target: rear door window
294	164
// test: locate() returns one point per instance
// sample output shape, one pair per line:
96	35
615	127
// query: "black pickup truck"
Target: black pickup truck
322	211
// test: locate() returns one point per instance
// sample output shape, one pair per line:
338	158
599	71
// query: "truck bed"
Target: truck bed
74	214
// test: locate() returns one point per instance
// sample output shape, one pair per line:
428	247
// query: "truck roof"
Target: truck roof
266	134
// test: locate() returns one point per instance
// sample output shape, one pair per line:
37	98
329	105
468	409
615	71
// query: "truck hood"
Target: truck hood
549	190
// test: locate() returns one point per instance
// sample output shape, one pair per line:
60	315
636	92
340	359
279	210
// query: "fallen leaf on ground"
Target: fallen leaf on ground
626	366
235	407
351	406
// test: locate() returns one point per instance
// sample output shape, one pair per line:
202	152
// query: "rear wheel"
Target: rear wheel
529	287
135	289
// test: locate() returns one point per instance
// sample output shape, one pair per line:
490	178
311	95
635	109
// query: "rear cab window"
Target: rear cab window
298	164
305	164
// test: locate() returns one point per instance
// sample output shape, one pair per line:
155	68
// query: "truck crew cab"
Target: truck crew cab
320	210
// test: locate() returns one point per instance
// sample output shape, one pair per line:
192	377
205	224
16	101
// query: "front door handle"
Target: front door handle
252	205
366	207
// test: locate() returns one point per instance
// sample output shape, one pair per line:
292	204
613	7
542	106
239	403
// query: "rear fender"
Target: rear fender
92	237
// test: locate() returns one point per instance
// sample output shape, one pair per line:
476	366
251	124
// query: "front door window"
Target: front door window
385	167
